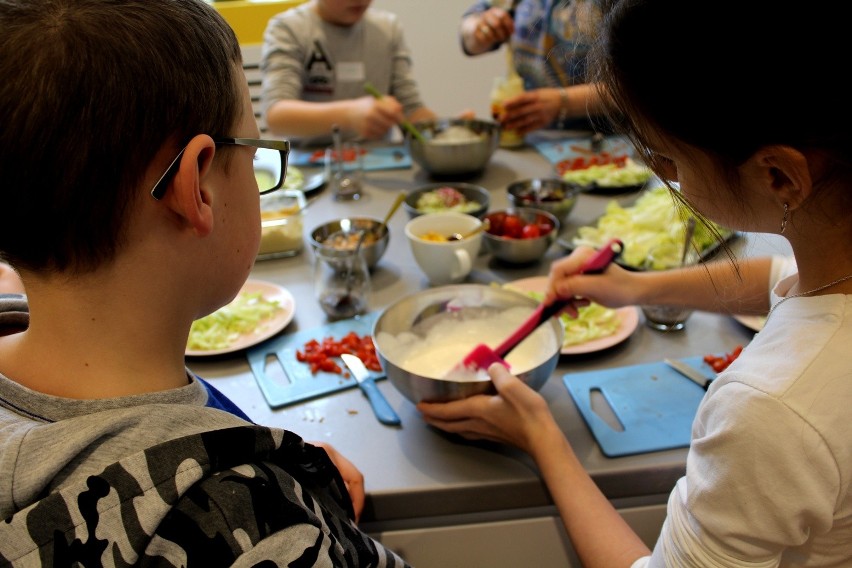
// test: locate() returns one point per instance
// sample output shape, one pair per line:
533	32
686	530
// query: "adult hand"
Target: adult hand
515	415
372	118
483	31
531	110
352	477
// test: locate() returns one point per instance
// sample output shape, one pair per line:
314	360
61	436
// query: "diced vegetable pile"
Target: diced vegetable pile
720	363
321	355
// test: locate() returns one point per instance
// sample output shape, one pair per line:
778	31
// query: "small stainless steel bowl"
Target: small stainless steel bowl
461	157
471	192
520	250
553	195
417	312
372	252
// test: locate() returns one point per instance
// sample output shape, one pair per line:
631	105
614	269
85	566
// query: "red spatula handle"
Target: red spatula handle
594	265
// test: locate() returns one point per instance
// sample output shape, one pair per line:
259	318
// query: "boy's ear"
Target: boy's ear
785	173
189	196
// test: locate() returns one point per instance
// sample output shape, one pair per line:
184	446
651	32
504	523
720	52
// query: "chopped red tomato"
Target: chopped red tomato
320	355
582	163
531	231
720	363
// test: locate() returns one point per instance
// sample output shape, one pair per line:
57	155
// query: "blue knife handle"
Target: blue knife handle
381	408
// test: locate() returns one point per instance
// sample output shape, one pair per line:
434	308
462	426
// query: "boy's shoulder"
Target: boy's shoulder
187	500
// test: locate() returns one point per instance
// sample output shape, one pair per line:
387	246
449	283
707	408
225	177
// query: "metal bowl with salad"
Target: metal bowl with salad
438	197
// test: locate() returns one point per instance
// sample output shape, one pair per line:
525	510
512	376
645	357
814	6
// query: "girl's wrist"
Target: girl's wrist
562	115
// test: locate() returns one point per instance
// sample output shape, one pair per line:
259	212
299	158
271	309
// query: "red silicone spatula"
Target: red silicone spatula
482	356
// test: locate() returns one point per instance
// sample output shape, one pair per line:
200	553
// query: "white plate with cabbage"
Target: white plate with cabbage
652	222
305	180
597	327
623	177
259	311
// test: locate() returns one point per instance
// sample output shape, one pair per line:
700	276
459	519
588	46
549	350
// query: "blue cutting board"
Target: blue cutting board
299	384
375	158
654	405
557	151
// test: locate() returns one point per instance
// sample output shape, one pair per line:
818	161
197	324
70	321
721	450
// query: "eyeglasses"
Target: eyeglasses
270	164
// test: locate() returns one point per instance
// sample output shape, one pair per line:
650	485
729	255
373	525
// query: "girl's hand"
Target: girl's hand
613	288
513	416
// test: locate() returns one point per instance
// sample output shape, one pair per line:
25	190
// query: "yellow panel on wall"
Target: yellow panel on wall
248	18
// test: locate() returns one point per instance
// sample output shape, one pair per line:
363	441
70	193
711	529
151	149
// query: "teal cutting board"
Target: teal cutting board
375	158
646	408
298	384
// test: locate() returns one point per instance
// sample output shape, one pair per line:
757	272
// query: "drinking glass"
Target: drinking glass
342	282
667	317
346	166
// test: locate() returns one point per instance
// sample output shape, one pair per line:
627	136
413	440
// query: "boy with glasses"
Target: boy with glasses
131	209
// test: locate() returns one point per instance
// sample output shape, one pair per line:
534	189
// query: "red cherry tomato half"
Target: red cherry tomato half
512	227
530	231
495	221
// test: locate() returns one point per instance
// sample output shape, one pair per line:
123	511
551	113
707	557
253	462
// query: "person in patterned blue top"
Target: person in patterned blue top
549	41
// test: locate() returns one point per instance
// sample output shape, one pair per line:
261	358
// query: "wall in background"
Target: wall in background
449	81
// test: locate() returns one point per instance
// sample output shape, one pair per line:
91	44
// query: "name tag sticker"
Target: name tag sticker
350	71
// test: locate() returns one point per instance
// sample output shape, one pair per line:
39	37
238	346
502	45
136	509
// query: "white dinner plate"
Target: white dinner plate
628	315
267	328
754	323
312	179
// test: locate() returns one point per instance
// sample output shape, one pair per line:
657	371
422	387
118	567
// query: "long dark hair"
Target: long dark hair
729	78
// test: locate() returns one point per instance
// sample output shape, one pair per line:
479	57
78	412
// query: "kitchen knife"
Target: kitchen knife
689	372
381	408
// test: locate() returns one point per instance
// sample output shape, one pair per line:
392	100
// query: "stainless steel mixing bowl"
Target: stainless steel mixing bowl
416	312
449	158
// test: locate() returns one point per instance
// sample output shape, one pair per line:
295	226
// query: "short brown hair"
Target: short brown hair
91	91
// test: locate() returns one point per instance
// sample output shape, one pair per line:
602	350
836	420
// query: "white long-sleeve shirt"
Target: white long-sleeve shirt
770	464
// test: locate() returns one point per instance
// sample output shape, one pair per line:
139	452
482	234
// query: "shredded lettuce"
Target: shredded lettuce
653	222
593	322
245	314
295	178
610	175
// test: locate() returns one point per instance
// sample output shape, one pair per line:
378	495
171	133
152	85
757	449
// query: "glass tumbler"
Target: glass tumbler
342	282
345	162
667	317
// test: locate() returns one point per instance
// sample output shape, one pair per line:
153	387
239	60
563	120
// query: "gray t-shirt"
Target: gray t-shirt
163	479
306	58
